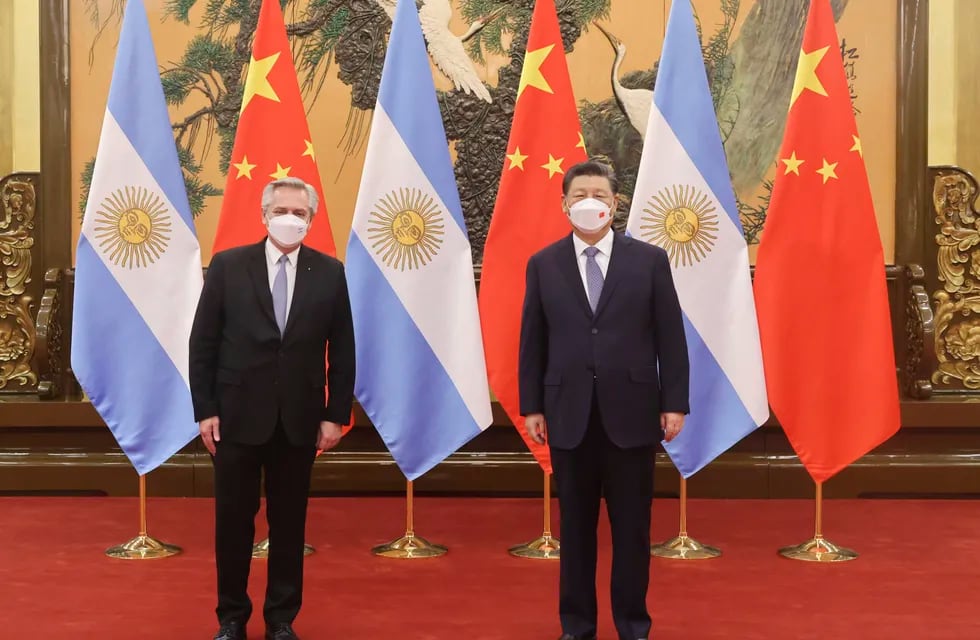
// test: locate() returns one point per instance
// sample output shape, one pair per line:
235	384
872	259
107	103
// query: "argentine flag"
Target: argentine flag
138	265
421	374
684	203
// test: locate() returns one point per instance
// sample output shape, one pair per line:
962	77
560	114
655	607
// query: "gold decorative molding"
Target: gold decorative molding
920	357
18	200
957	304
50	336
17	208
16	344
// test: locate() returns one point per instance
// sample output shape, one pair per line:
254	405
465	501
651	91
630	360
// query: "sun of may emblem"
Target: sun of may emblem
133	226
680	219
406	229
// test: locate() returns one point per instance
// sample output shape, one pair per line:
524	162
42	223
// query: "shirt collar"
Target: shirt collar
604	246
272	254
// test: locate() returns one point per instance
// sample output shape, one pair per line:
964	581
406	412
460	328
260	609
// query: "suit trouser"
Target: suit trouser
594	469
237	475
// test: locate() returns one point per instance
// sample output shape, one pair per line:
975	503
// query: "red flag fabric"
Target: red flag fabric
820	276
545	140
272	141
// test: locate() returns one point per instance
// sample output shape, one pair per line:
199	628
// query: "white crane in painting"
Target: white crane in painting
446	48
635	103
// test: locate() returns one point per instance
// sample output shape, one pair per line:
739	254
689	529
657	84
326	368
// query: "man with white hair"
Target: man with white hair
266	315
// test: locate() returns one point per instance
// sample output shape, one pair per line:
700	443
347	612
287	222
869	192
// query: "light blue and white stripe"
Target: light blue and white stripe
132	320
683	148
421	373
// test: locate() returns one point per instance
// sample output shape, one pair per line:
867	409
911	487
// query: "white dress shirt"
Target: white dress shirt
602	258
272	255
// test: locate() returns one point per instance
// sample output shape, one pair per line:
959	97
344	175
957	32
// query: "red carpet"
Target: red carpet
917	578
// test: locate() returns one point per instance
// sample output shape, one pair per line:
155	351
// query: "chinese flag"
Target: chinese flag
820	276
545	140
272	141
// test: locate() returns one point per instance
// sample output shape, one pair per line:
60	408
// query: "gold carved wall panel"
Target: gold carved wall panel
18	204
957	302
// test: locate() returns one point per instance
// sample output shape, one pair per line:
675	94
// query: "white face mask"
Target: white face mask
589	215
287	230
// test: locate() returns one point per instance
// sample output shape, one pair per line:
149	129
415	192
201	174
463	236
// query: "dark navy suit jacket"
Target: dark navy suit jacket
243	371
631	353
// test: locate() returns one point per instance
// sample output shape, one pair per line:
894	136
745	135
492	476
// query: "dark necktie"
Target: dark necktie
593	277
279	294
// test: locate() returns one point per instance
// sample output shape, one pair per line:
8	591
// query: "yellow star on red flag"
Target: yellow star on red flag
828	170
257	81
531	75
516	159
792	164
244	168
553	166
309	151
806	74
280	172
857	146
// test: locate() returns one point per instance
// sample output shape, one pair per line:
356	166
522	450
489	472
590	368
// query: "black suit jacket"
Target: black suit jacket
244	372
632	351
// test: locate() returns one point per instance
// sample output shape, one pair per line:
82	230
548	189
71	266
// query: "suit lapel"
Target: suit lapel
301	288
568	264
258	270
615	270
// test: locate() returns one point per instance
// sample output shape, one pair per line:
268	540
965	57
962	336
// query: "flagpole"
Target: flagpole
142	547
818	548
409	545
260	550
682	546
547	547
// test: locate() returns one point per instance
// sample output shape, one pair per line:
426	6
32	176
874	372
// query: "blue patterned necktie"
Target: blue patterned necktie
593	277
279	294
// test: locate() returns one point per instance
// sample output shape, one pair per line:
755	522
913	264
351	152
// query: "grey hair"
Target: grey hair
290	183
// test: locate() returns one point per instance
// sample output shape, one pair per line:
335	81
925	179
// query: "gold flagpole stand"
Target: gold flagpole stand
142	547
261	549
817	549
409	545
684	547
547	547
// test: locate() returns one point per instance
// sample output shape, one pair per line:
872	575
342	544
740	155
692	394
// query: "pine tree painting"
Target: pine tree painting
347	38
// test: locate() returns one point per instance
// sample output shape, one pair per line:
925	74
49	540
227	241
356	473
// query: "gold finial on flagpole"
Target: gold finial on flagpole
409	545
142	547
547	547
817	548
682	546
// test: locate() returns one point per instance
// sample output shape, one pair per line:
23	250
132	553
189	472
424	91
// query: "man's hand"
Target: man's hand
210	433
671	423
330	433
536	427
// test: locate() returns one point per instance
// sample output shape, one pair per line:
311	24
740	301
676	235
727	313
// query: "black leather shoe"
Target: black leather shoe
280	631
231	631
568	636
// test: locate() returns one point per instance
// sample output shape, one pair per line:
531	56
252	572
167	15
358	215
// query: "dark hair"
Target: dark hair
590	167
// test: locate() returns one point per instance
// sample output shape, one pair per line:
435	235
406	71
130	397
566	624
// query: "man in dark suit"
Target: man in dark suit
603	370
266	315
